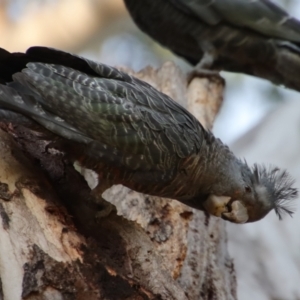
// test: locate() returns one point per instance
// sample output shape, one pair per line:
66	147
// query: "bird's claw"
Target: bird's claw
105	212
204	73
224	207
216	205
104	208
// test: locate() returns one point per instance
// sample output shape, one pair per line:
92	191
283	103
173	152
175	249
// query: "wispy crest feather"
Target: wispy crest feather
280	187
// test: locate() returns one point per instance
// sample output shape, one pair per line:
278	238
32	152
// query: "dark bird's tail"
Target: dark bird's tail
19	104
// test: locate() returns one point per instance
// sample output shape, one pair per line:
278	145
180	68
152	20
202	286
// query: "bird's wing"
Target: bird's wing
134	122
262	16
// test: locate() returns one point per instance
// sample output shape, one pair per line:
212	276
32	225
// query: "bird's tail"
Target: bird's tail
18	106
275	60
288	65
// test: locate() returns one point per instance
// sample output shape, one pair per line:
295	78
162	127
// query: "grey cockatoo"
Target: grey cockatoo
255	37
131	134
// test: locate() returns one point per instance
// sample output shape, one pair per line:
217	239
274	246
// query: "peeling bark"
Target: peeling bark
52	247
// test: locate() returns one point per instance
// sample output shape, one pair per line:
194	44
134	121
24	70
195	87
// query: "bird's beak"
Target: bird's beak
222	206
238	213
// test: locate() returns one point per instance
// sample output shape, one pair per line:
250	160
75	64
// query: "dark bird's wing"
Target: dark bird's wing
132	123
262	16
252	37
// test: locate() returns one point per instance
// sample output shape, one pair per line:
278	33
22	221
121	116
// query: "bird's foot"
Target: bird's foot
203	73
104	208
203	68
222	206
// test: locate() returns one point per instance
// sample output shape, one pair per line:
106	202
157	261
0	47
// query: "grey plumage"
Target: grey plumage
253	37
131	134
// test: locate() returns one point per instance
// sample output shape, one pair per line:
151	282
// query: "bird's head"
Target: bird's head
260	190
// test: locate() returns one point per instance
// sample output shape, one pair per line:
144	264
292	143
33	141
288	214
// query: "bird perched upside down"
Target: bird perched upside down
252	37
129	133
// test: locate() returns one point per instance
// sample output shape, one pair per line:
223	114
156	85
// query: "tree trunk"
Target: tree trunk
52	247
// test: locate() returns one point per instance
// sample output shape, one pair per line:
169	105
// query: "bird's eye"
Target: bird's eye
247	189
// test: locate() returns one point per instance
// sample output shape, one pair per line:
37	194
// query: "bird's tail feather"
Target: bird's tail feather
16	101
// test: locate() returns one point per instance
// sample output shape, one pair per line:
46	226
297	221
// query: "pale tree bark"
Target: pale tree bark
52	247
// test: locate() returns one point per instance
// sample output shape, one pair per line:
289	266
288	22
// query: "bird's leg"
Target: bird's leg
202	69
105	207
206	61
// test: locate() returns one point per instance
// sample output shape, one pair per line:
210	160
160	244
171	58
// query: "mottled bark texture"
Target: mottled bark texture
52	247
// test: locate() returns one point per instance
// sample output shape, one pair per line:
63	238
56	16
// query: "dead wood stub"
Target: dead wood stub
105	251
42	271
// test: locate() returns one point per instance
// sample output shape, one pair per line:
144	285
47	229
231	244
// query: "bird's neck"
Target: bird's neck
214	168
